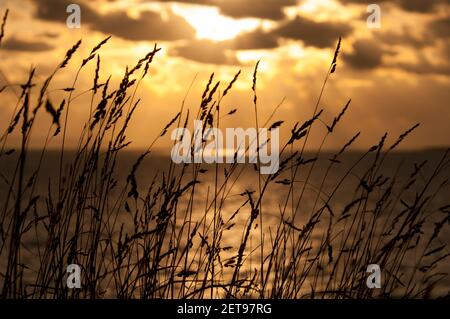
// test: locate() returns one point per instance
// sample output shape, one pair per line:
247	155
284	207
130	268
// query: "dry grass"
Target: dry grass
149	241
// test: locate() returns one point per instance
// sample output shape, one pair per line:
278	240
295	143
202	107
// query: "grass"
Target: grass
153	241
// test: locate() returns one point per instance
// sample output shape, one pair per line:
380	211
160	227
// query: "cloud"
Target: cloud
445	50
366	54
202	2
148	26
440	28
424	67
263	9
404	38
50	35
363	1
55	10
312	33
318	34
418	6
210	52
15	44
205	51
267	9
254	40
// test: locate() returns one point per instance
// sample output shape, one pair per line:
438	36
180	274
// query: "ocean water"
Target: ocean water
314	183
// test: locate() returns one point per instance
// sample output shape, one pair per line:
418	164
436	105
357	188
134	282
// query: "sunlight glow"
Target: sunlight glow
323	10
211	25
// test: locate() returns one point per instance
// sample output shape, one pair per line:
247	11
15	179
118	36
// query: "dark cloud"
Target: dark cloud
366	54
148	26
419	6
263	9
202	2
318	34
440	28
312	33
55	10
363	1
367	2
50	35
254	40
210	52
424	67
445	50
205	51
15	44
404	38
267	9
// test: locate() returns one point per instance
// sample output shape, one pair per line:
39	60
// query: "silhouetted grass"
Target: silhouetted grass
150	241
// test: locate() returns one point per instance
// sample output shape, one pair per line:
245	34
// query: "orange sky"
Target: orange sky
396	76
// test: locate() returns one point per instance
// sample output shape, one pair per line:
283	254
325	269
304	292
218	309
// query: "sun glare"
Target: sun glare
322	10
211	25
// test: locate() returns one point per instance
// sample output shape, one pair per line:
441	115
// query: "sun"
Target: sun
209	24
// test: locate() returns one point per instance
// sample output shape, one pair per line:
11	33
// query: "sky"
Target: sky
396	75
